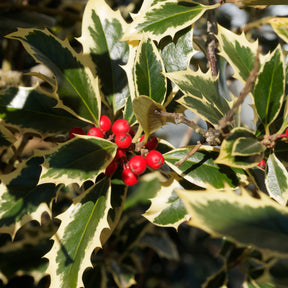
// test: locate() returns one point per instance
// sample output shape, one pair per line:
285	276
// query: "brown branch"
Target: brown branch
189	154
227	119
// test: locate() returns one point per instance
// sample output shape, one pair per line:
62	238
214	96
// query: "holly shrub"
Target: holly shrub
232	184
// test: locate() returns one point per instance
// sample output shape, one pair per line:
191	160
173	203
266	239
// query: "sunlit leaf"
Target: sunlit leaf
279	25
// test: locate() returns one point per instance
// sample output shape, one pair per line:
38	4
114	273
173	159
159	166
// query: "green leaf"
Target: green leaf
269	89
148	71
79	233
177	54
201	94
279	25
163	18
277	180
78	88
31	109
226	156
21	199
200	168
260	223
78	160
144	109
238	51
167	209
245	146
102	29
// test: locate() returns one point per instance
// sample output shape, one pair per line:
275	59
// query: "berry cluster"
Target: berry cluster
122	136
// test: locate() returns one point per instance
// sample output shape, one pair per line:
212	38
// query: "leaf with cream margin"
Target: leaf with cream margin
280	26
260	223
167	209
21	199
277	180
79	234
200	168
148	71
163	18
77	87
201	94
144	108
77	160
102	29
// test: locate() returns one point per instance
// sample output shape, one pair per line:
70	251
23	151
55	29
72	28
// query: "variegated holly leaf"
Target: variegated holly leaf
269	89
21	199
177	54
148	71
277	180
246	146
80	232
260	223
279	25
201	94
144	108
77	87
32	110
102	29
163	18
200	168
238	51
229	154
167	209
75	161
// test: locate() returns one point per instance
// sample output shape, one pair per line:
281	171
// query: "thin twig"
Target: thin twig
227	119
211	39
189	154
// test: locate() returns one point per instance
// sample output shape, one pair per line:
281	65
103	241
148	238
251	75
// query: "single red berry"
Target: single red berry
105	123
128	177
152	142
261	164
120	153
111	168
120	126
123	140
137	164
286	133
76	130
154	159
96	132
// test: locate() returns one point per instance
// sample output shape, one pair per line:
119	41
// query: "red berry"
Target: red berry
111	168
137	164
286	133
261	164
152	142
105	123
96	132
120	126
154	159
128	177
120	153
76	130
123	140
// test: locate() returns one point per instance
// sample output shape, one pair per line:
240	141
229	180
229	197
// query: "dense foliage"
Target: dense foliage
65	211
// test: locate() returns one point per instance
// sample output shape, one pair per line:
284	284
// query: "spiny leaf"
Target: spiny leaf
144	108
260	223
77	160
277	180
200	168
269	89
148	71
202	94
102	29
21	199
80	232
35	111
279	25
78	88
167	209
226	156
163	18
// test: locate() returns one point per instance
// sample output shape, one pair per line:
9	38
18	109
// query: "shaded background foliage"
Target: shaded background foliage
196	254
